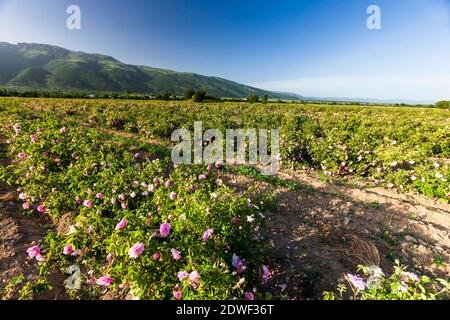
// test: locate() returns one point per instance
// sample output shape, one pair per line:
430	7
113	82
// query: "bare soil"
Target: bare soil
18	232
312	233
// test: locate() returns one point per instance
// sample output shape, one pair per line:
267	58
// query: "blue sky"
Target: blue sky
314	48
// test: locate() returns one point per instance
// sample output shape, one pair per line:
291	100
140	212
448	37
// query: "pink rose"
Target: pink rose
122	224
249	295
68	249
177	293
357	281
266	273
33	251
207	234
156	256
136	250
41	208
194	277
164	229
40	257
99	196
409	276
104	281
173	196
176	254
238	263
87	203
182	275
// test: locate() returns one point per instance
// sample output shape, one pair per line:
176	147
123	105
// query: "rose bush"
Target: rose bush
120	221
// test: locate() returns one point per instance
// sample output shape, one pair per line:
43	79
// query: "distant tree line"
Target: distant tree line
196	96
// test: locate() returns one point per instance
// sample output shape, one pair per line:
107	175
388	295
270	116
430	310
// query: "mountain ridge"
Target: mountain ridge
38	66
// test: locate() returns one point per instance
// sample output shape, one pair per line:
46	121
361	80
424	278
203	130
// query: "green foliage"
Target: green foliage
253	98
443	104
401	285
199	96
81	171
31	67
401	148
188	94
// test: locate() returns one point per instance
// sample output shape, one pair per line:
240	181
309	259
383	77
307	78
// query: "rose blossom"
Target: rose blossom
136	250
266	273
356	281
87	203
40	257
122	224
69	250
177	293
182	275
156	256
237	263
104	281
207	234
33	251
249	295
176	254
194	277
164	229
173	196
410	276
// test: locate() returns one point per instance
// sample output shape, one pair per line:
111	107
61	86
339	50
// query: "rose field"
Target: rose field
92	207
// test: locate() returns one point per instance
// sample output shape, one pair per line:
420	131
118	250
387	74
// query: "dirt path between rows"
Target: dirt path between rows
18	232
314	233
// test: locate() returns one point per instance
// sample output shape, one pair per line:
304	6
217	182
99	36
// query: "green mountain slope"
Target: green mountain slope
40	66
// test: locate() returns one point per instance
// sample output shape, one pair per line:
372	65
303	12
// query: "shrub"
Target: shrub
443	104
199	96
401	285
